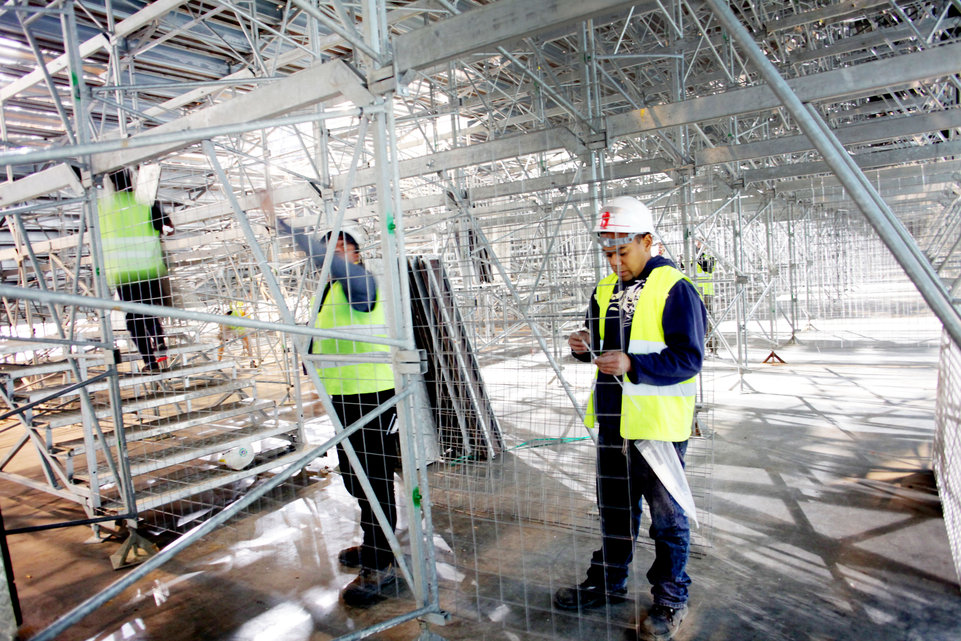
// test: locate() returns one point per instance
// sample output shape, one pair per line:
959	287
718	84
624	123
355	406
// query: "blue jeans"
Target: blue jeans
623	482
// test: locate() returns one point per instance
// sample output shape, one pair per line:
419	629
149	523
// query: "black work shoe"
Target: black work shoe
587	595
366	588
661	623
350	557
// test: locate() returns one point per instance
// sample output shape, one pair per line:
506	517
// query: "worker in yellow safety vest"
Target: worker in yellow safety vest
232	332
645	335
134	263
704	267
358	377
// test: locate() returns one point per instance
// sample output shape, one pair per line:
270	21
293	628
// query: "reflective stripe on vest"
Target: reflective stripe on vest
131	245
654	412
356	378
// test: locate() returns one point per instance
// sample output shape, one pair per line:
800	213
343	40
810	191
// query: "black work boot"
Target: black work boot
587	595
366	588
350	557
662	623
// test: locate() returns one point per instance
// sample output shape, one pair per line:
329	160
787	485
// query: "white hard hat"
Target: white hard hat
238	457
626	215
355	232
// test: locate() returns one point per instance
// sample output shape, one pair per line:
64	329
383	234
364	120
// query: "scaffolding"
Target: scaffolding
474	143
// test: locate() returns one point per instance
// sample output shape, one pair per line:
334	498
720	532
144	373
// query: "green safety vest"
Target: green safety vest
356	378
651	412
131	245
705	280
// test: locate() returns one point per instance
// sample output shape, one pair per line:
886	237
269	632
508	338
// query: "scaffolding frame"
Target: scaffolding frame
526	118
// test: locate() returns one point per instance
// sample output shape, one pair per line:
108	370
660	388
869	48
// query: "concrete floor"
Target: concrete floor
825	525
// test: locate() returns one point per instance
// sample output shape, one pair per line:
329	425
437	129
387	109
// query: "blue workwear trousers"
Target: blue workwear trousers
623	483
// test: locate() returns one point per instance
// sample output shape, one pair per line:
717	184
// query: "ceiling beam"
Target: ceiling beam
493	25
316	84
874	130
284	59
487	152
870	160
43	182
152	11
827	14
880	75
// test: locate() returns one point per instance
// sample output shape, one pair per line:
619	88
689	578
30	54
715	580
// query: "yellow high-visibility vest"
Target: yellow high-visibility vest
354	378
131	245
238	310
652	412
705	280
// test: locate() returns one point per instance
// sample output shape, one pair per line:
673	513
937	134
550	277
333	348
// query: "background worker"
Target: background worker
230	332
134	263
352	301
704	277
645	334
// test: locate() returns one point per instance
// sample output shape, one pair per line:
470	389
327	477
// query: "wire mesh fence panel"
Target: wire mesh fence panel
511	468
465	178
947	442
519	526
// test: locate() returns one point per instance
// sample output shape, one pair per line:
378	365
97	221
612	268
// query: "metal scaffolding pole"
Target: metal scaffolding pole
885	223
400	323
81	122
792	273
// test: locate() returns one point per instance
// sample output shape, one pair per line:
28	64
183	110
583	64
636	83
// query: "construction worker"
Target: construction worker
230	332
704	277
134	263
352	302
645	334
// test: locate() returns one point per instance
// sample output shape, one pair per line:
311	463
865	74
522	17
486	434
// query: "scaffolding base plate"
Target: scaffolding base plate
133	551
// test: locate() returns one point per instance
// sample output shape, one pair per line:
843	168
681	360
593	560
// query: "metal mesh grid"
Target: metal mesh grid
522	282
543	482
542	485
947	442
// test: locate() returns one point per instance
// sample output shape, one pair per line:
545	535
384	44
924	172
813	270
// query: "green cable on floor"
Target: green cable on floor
543	442
536	442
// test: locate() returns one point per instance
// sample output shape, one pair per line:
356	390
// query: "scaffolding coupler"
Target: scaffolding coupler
410	361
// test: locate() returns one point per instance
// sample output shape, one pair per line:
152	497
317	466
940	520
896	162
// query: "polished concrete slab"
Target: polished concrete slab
824	524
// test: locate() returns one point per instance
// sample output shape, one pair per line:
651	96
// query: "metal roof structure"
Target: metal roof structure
506	97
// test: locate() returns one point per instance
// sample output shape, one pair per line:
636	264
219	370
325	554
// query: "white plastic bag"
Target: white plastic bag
662	457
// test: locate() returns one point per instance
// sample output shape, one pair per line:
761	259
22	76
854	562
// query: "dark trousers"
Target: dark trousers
145	330
377	447
712	338
623	483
